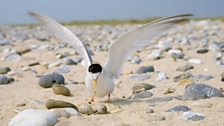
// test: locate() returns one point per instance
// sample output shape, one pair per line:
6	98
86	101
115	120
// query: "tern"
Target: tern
99	79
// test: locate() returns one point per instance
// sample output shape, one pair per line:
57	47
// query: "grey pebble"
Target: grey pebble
69	61
203	77
179	108
193	116
136	60
185	68
182	76
4	42
5	80
161	76
85	108
77	59
49	80
200	91
12	57
144	69
4	70
137	88
176	53
140	77
141	95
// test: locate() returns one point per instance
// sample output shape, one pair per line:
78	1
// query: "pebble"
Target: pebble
65	112
85	108
155	55
55	64
200	91
140	77
193	116
185	68
4	70
49	80
182	77
185	82
144	69
179	108
195	61
12	57
60	90
59	104
137	88
69	61
136	60
5	80
77	60
202	51
34	117
149	111
23	51
100	109
63	69
141	95
169	90
222	76
203	77
161	76
35	63
164	45
4	42
175	53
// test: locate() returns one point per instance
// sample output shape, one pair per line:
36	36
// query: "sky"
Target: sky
15	11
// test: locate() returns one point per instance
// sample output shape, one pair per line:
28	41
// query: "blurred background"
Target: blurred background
15	11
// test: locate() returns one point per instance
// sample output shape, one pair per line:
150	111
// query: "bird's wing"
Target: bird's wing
64	34
126	44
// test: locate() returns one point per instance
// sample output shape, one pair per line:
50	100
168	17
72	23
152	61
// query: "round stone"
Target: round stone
85	109
100	109
48	80
60	90
144	69
5	80
4	70
137	88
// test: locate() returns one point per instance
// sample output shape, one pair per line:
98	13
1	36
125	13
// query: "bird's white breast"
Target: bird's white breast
104	86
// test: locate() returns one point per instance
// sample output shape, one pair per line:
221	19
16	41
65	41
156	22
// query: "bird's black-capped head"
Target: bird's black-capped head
95	70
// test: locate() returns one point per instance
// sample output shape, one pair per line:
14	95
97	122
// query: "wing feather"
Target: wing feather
64	34
126	44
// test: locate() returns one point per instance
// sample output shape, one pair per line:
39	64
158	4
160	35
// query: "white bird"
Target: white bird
99	79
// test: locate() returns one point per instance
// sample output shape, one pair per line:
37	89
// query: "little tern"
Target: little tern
99	79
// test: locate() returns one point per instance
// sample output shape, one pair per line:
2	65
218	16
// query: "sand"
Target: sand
122	112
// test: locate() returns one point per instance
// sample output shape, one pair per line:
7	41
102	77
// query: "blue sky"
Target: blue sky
15	11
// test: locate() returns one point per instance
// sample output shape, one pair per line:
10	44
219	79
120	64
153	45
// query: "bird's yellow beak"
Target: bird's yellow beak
94	84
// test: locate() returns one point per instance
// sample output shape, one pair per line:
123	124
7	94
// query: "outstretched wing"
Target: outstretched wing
65	35
126	44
